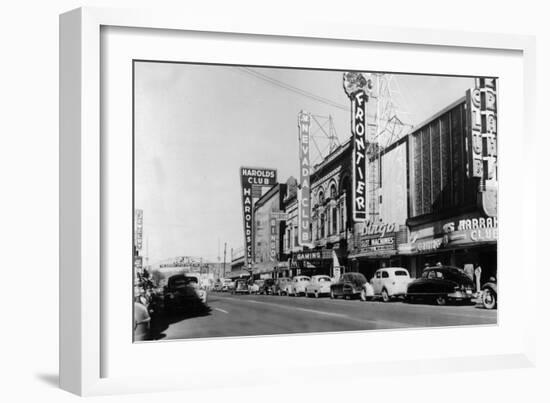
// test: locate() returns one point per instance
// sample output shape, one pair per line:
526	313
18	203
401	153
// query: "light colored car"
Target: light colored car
318	285
390	282
298	285
201	292
281	286
254	288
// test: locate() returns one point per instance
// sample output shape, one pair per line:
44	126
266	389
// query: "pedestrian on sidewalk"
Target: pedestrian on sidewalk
477	273
469	270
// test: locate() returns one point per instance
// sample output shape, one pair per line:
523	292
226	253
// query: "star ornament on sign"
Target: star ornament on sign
354	81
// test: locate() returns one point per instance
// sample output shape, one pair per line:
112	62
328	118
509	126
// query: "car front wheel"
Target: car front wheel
441	300
385	295
489	299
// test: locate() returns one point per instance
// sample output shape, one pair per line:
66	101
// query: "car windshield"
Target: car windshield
182	281
356	278
304	279
401	273
323	279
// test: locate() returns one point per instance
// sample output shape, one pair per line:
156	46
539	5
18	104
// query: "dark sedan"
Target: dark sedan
441	284
350	285
241	286
182	293
267	286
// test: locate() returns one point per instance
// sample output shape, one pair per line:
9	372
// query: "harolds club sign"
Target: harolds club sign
355	85
304	189
252	180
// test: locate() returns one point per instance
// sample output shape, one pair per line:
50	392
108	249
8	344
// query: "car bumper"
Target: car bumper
460	295
324	290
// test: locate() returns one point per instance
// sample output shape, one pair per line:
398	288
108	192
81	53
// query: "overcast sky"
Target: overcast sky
195	125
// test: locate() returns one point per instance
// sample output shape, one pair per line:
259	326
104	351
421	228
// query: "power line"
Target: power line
292	88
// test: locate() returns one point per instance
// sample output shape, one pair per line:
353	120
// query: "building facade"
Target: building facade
431	199
453	197
268	231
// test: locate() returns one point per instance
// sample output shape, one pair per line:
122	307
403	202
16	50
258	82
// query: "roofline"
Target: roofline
443	111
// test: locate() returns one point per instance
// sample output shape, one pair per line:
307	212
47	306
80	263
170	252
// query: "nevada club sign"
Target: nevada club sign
304	188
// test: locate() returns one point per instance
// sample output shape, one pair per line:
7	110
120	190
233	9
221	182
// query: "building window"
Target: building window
333	192
314	229
288	238
322	224
342	216
334	220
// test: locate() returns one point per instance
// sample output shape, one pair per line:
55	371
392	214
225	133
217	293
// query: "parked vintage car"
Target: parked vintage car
390	282
318	285
241	286
182	292
281	286
350	285
254	287
441	284
228	286
298	285
267	286
489	294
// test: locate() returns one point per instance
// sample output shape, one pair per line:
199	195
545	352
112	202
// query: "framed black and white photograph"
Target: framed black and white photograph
273	201
341	199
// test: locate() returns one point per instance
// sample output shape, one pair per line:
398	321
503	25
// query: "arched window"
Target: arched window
333	191
321	198
345	188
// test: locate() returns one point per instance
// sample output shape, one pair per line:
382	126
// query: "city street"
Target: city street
246	315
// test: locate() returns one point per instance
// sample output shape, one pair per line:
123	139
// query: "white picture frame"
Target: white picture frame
83	183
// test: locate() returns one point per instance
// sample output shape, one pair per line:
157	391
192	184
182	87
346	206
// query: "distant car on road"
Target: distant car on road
241	286
441	284
281	286
267	286
298	285
489	294
182	292
319	285
390	282
227	284
350	285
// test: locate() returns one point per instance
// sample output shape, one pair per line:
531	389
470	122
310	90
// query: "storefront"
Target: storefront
465	241
378	248
323	261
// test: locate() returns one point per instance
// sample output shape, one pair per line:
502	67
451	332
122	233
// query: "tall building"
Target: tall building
453	210
268	231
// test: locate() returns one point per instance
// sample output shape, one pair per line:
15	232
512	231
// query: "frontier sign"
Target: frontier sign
304	189
252	179
354	85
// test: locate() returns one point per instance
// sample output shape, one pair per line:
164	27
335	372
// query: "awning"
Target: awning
237	274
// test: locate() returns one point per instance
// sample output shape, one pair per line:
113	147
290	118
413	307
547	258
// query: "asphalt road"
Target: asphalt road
247	315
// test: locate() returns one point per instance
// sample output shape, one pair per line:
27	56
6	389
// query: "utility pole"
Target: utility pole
224	255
